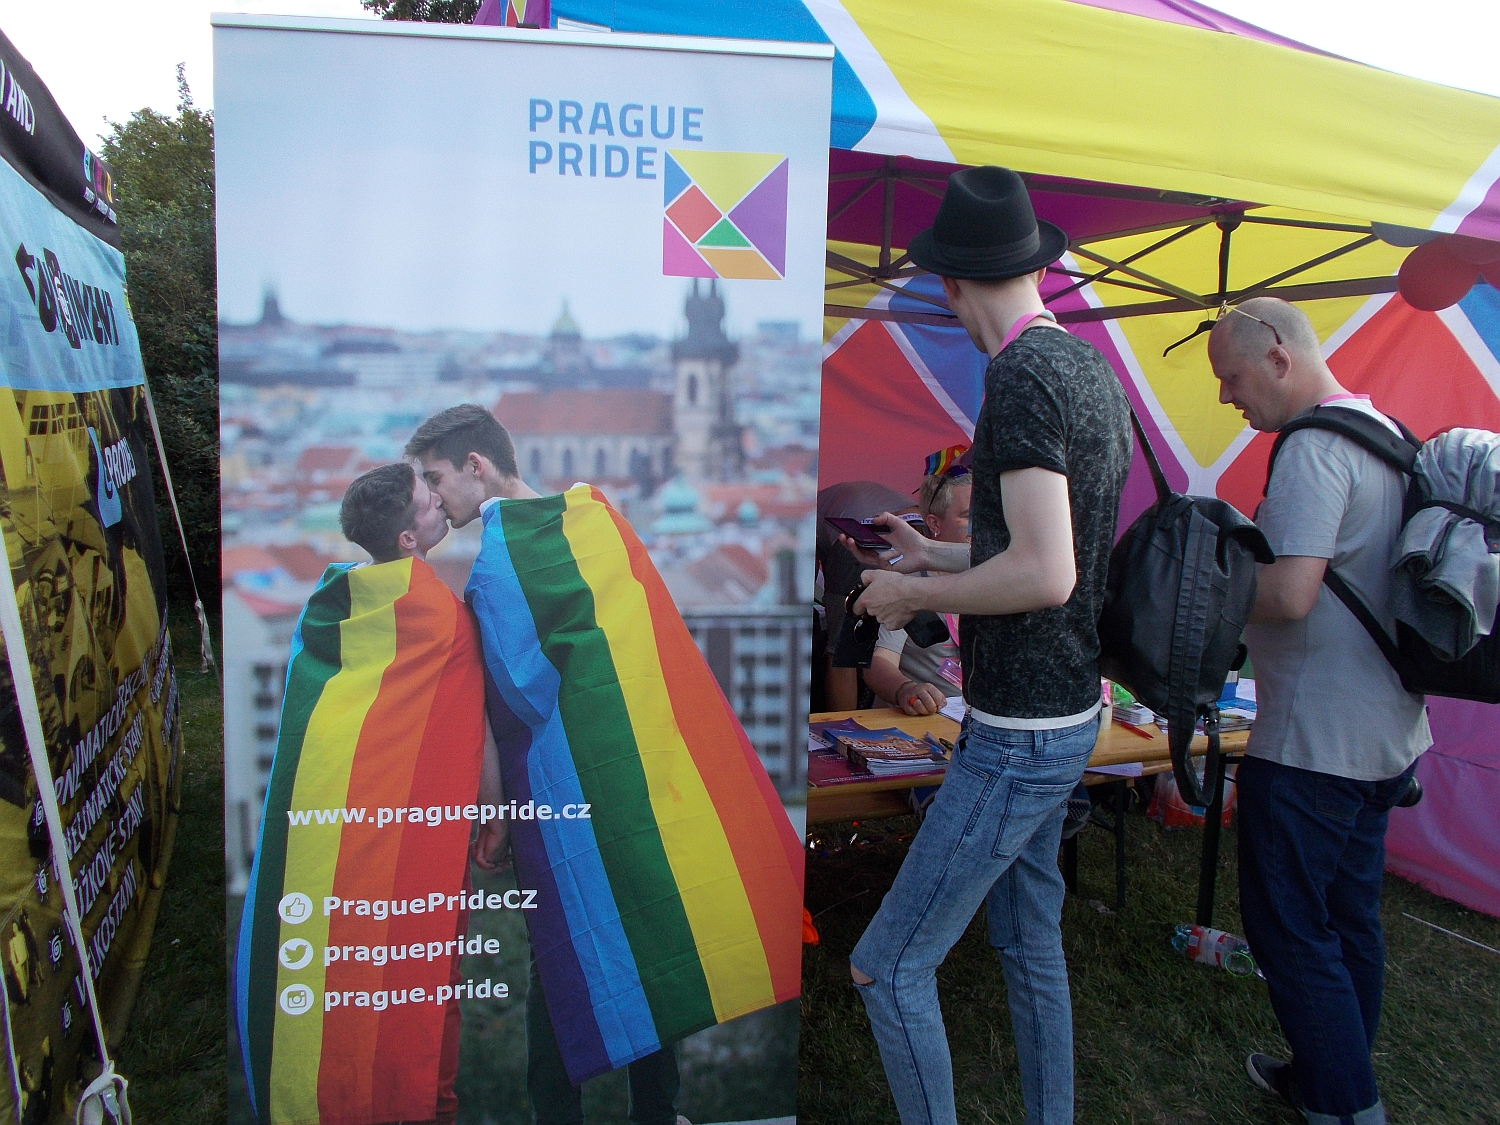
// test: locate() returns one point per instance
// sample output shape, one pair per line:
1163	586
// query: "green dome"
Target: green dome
679	510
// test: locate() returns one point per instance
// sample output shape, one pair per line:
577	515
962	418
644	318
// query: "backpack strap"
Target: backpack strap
1191	624
1158	478
1368	433
1382	639
1398	452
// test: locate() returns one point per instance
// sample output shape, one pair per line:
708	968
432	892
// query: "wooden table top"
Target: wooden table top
1117	745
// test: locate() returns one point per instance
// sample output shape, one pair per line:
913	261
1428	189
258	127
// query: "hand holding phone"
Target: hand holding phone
862	533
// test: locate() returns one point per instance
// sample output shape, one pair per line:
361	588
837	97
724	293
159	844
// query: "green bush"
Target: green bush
164	175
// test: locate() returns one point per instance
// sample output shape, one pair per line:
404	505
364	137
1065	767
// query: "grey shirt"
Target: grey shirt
1327	700
921	664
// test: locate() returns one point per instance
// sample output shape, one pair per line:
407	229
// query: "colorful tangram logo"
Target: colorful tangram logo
726	214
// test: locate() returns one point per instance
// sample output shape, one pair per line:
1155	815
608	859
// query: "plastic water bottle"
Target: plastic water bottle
1226	951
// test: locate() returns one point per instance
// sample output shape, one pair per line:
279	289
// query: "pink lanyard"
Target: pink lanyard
1020	326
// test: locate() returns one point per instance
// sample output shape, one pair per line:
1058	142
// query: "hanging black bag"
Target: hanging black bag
1180	589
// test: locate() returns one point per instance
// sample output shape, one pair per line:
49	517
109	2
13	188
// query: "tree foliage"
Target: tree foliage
424	11
164	175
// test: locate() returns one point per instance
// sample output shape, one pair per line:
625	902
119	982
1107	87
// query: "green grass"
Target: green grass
174	1050
1157	1038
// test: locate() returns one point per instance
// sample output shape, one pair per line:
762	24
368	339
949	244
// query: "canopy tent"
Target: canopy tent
1193	159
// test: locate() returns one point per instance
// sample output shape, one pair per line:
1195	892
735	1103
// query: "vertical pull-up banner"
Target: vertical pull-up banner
85	568
595	679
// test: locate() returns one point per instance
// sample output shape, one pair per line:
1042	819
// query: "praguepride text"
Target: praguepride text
434	815
416	951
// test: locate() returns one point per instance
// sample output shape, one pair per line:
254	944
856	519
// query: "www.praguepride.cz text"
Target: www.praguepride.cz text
433	815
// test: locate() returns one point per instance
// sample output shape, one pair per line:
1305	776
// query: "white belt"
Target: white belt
1009	723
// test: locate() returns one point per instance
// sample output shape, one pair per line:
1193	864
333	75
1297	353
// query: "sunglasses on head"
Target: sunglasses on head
1225	308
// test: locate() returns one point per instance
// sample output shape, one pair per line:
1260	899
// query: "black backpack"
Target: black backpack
1180	589
1476	674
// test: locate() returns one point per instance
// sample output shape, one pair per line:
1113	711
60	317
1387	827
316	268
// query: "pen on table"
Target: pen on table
1133	729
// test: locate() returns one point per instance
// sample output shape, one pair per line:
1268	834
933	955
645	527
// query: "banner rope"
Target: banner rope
205	642
107	1093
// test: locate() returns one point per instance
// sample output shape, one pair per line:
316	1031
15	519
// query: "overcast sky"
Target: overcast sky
105	58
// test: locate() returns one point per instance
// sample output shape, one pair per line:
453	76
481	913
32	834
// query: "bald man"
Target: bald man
1336	737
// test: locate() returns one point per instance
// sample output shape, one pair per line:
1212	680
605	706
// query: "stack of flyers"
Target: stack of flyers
1134	713
888	752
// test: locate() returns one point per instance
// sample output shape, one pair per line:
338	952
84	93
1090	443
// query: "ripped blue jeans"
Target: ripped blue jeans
991	836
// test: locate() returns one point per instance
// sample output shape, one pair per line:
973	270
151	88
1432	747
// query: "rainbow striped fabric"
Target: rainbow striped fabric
943	459
349	923
677	903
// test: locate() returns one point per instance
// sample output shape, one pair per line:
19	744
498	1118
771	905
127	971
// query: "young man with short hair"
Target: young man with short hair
1051	451
384	695
391	513
468	460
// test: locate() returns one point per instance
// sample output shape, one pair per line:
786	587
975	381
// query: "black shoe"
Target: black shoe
1078	810
1412	795
1274	1077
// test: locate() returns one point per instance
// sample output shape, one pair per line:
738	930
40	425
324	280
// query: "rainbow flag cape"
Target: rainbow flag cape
349	923
668	878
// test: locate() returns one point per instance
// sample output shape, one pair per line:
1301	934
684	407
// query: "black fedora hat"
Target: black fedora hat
985	229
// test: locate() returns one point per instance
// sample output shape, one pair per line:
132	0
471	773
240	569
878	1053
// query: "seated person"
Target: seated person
919	680
857	500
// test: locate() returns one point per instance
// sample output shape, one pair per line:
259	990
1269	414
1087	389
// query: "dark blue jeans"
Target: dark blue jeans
654	1080
1312	857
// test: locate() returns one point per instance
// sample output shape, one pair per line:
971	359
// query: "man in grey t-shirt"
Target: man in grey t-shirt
1335	737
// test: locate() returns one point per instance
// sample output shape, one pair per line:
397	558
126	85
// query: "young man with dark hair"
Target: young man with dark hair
428	676
468	460
1051	450
469	453
391	513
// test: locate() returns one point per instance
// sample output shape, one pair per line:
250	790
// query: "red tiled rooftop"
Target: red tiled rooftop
304	563
265	607
234	560
325	458
531	413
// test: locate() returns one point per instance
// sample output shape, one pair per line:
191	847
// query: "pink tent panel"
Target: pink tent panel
1448	843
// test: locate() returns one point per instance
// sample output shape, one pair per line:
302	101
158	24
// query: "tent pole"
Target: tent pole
887	215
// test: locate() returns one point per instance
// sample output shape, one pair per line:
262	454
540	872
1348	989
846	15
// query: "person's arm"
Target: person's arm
1287	589
492	846
841	688
1037	570
895	687
1301	515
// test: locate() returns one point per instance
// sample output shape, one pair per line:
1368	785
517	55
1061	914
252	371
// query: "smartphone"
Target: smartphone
861	533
